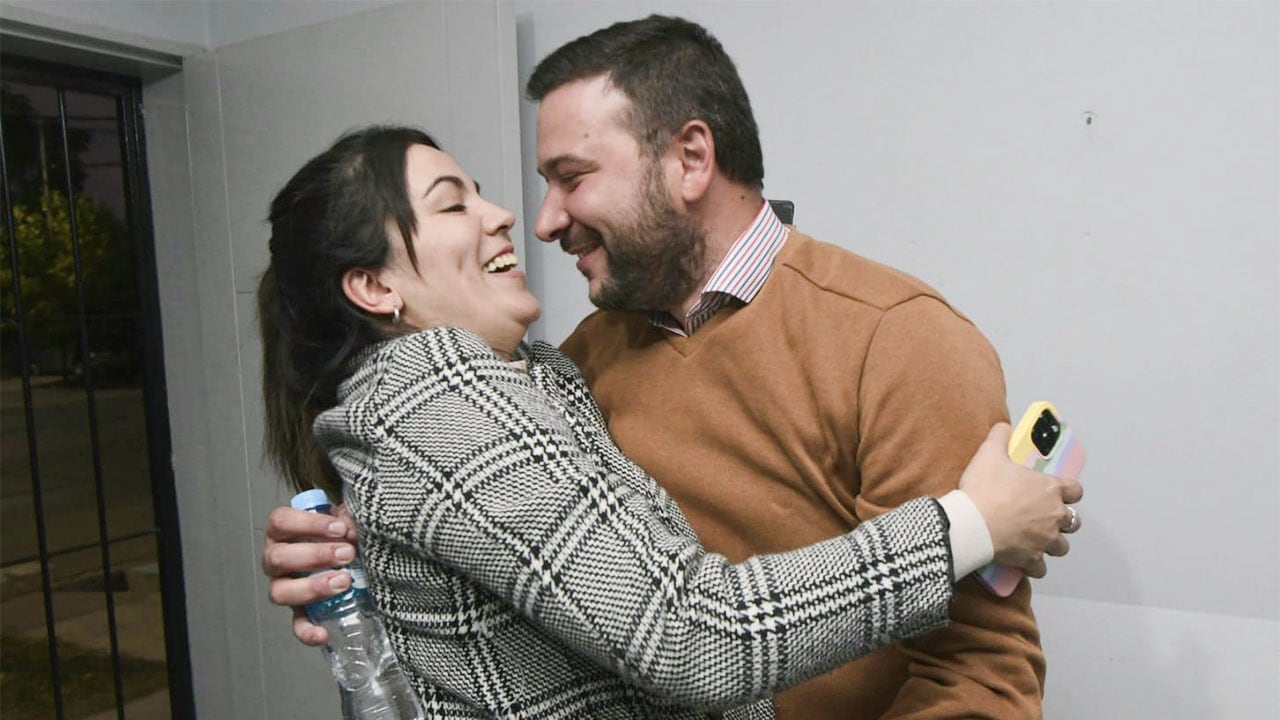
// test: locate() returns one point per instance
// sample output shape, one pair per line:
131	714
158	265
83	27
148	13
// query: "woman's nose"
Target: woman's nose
498	219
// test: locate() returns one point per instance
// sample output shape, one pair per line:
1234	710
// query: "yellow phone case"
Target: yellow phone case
1065	459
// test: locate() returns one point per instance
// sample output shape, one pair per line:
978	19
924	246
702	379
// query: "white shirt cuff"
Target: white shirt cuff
971	546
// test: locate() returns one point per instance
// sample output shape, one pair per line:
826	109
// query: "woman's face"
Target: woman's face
466	275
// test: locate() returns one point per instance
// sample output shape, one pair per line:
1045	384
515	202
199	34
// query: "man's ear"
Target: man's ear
695	149
363	288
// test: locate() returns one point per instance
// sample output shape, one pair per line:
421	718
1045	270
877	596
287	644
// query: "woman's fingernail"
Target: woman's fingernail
337	529
339	581
344	554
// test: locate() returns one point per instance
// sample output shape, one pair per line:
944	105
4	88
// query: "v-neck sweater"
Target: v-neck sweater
843	389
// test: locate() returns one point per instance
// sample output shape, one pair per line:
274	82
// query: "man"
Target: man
756	332
782	390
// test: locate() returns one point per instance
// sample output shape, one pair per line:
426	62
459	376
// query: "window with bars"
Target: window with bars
92	619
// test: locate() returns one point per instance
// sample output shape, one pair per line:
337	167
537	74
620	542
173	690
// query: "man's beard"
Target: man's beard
656	260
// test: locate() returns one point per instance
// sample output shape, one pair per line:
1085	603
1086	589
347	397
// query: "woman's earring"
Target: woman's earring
395	315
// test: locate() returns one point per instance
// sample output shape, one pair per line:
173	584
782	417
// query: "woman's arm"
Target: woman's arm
481	473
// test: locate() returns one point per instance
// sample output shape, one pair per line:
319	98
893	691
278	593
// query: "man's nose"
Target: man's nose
552	220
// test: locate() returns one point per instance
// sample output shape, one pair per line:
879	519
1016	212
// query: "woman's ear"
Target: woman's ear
695	148
364	289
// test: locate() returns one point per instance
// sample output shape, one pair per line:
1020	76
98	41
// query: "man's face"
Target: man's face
608	203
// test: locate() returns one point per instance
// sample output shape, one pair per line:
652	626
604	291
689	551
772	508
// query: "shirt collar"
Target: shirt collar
740	275
747	264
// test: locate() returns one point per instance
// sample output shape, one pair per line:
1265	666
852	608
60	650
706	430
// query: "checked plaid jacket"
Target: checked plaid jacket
526	569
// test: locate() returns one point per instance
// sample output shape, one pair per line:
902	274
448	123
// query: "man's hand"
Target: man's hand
302	542
1026	511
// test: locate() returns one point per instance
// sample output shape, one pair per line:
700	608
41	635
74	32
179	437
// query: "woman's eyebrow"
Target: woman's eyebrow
451	179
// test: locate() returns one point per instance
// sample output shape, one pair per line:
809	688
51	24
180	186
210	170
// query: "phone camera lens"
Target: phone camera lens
1045	433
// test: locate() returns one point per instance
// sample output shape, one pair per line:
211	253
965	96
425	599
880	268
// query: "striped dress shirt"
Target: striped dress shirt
739	277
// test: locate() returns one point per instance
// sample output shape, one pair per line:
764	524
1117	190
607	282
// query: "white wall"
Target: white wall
147	23
187	25
233	21
1128	269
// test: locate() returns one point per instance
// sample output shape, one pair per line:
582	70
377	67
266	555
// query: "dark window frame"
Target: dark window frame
128	91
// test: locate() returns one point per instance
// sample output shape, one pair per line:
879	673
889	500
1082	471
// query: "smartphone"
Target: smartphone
1043	442
785	210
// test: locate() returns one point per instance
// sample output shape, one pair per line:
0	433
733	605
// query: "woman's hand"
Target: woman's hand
1026	512
300	542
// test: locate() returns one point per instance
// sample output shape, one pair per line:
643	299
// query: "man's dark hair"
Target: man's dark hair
673	71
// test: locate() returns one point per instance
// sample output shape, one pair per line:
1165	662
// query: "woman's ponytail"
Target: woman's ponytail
287	398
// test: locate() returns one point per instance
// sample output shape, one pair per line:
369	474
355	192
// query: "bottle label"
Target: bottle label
359	580
358	593
321	610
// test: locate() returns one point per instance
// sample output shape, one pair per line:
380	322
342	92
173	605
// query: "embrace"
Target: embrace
810	449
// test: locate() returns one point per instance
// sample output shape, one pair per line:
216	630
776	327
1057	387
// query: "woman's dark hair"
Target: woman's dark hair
673	71
332	215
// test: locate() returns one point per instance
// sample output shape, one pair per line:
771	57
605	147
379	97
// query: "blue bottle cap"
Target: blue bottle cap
310	500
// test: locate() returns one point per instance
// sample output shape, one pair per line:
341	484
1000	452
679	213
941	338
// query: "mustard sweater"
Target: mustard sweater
844	389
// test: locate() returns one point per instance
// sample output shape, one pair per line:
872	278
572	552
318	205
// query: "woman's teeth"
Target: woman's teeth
502	263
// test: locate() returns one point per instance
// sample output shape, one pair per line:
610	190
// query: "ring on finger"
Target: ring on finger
1071	522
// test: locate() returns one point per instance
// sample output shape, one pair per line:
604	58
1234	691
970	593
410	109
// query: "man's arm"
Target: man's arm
931	388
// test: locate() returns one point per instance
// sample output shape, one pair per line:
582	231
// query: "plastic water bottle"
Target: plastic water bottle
370	680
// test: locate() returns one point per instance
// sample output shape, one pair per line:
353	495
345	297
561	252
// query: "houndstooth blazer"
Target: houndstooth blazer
526	569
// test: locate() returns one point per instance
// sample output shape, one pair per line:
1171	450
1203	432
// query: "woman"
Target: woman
523	566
